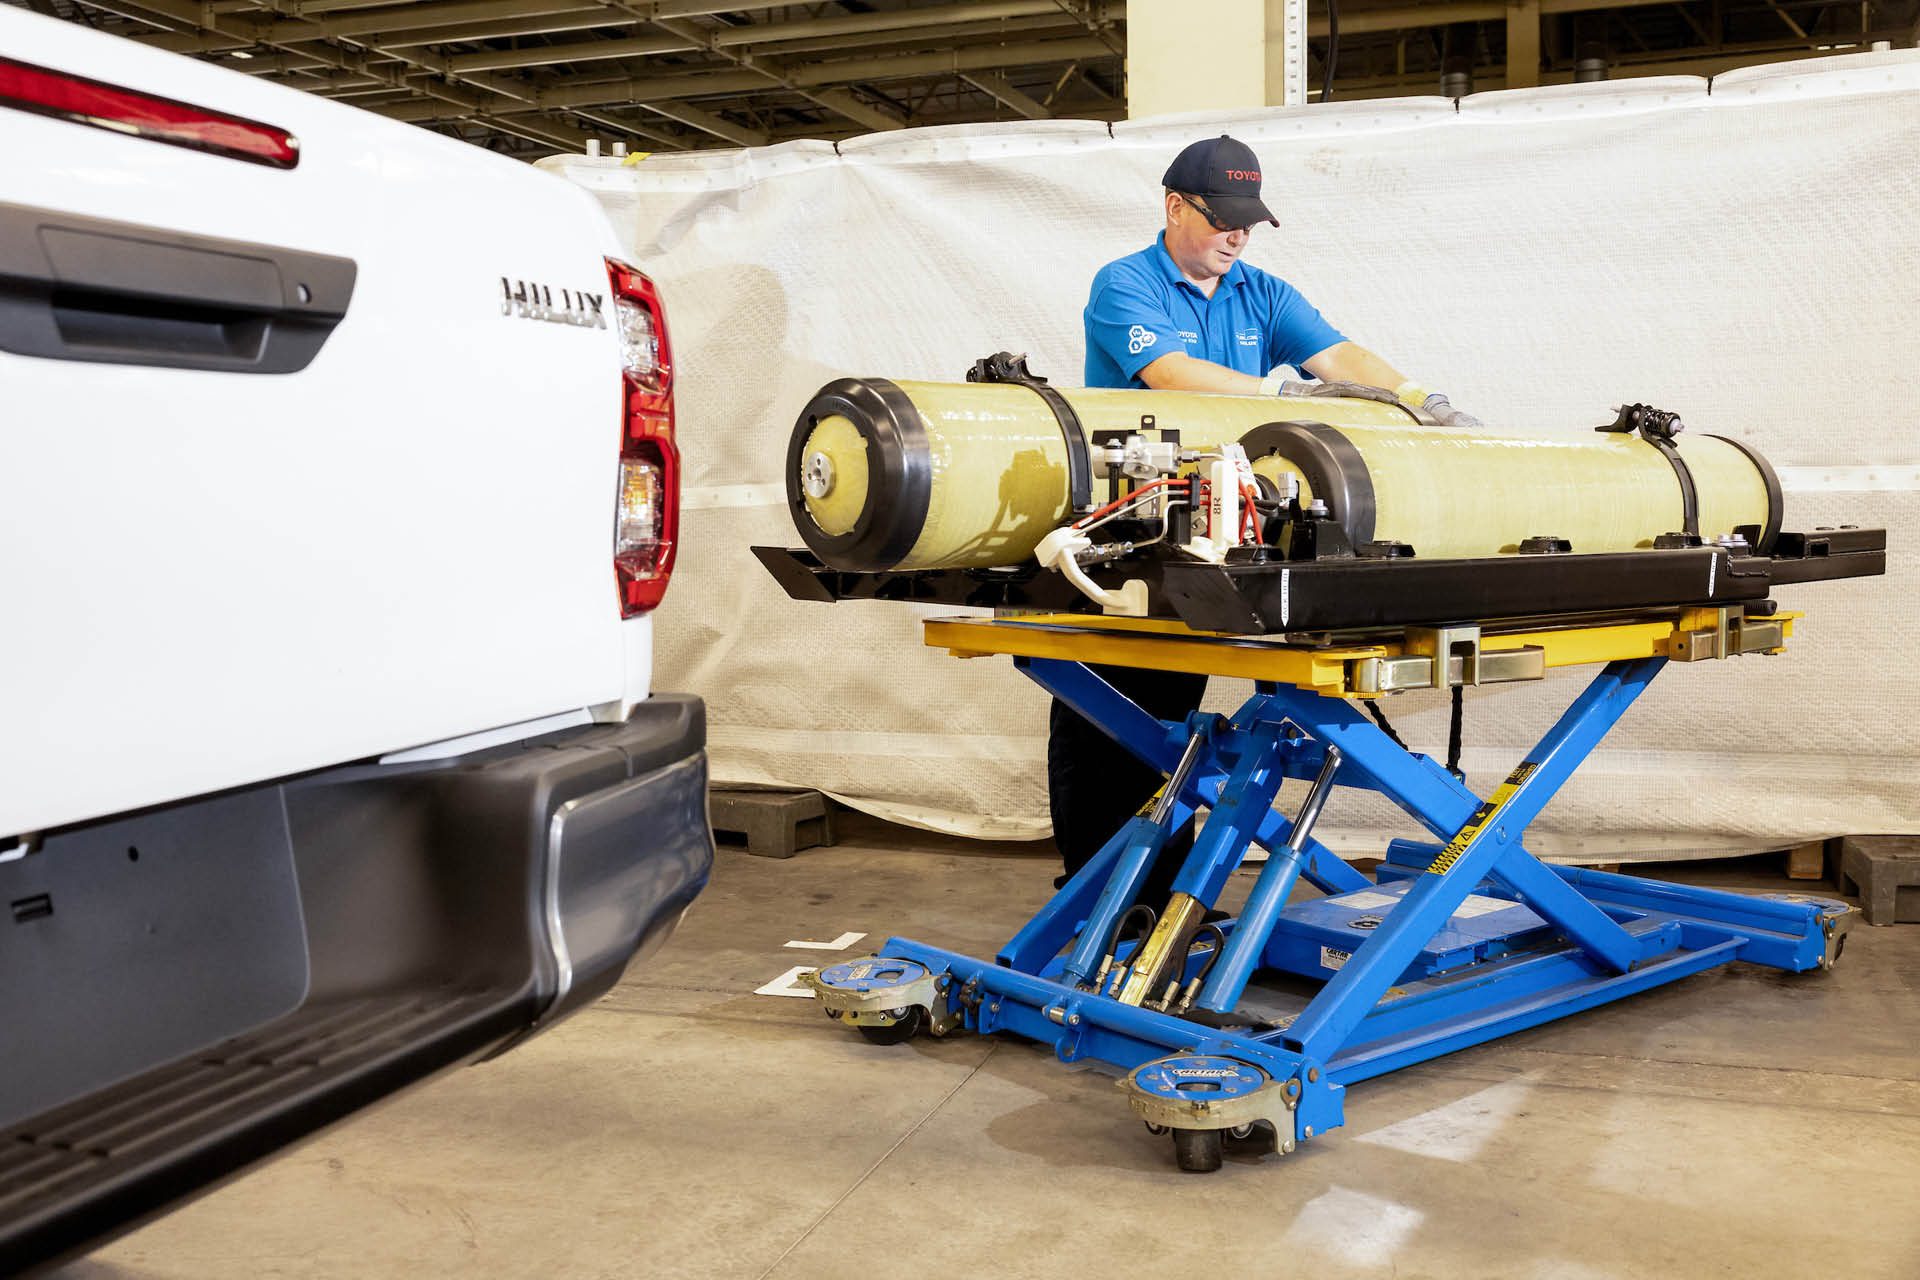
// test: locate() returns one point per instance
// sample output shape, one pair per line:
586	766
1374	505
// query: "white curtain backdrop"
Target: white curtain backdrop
1743	253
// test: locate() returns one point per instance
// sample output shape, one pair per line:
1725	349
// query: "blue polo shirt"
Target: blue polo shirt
1141	307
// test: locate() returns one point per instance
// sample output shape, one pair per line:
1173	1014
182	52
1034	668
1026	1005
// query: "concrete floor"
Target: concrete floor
1742	1123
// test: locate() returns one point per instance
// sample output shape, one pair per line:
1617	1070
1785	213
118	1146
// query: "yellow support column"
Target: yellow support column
1210	56
1523	44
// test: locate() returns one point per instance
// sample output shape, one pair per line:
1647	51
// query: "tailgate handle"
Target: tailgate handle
76	288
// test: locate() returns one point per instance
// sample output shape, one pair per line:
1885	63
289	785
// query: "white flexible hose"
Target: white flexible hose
1057	551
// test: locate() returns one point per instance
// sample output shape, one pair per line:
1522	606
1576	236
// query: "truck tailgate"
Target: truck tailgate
214	577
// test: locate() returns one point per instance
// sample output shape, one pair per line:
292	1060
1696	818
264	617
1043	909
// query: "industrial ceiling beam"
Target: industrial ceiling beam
1728	57
1674	62
646	90
638	91
464	104
1787	18
1060	84
859	24
987	57
921	39
582	19
277	64
619	127
567	20
996	86
841	102
707	122
319	20
237	33
186	15
649	11
575	51
937	24
836	100
640	46
1416	16
542	131
1099	21
837	133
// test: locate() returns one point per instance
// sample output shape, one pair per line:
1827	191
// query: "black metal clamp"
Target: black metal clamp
1004	366
1658	427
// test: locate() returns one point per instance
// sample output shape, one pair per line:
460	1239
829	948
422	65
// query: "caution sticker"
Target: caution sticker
1481	816
1334	958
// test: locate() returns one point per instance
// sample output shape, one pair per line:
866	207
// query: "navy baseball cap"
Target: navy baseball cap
1226	173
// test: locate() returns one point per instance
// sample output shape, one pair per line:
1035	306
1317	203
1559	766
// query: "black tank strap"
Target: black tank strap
1658	427
1004	366
1689	496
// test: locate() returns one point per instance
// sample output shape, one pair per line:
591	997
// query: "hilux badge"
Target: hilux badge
535	302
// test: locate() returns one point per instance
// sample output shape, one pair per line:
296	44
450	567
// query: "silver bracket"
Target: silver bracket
1732	635
1837	919
1275	1103
886	1006
1454	651
1416	670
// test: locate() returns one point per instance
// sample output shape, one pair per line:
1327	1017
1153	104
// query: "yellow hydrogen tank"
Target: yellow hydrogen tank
927	475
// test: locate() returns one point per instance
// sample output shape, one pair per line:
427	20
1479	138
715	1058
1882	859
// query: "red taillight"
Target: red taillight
106	106
647	514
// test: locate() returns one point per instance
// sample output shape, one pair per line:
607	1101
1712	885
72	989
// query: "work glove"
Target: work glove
1436	405
1277	386
1446	415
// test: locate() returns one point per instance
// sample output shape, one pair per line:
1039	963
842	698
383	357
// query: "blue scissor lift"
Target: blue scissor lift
1451	943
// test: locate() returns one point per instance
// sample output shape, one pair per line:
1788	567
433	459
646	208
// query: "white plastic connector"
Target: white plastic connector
1223	504
1059	551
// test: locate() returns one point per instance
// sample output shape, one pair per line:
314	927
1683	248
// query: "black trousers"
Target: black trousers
1094	784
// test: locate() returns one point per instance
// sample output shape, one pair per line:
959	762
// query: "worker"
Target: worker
1185	314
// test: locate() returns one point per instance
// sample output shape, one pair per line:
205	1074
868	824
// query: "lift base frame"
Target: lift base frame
1467	938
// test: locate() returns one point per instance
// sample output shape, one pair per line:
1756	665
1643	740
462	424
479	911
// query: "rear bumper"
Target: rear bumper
195	987
605	907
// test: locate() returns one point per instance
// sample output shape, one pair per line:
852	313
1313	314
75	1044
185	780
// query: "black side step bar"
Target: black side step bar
82	1172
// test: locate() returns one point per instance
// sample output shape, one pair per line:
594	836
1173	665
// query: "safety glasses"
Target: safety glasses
1213	220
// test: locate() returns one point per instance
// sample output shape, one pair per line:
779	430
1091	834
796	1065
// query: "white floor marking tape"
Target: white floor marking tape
840	943
785	984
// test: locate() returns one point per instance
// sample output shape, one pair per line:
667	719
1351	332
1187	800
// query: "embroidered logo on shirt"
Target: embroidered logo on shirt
1139	338
1189	337
1249	337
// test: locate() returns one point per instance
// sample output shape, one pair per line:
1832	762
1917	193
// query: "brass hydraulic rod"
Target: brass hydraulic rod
1145	840
1169	942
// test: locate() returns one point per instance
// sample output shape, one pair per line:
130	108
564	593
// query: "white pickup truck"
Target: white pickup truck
338	484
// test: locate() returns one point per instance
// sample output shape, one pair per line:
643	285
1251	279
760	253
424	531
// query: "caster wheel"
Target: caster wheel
900	1032
1155	1129
1197	1150
1257	1136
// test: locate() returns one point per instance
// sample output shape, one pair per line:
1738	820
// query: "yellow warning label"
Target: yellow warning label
1146	810
1481	816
